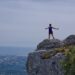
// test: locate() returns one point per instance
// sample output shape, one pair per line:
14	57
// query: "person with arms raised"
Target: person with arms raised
50	28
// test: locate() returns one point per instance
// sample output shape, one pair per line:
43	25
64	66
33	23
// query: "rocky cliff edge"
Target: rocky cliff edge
46	59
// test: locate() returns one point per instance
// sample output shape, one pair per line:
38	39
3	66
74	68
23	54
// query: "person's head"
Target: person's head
50	25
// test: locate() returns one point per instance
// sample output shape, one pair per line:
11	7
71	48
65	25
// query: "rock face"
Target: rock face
46	60
69	40
49	44
45	63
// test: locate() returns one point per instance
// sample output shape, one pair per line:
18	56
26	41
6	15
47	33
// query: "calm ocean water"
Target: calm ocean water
13	60
18	51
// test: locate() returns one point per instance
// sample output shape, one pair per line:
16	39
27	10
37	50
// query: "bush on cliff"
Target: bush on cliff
69	63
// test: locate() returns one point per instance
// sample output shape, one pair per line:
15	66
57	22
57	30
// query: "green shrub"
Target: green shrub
69	63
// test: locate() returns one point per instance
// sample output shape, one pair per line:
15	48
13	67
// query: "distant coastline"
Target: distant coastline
15	51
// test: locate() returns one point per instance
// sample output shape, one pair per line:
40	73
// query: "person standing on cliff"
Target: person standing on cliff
51	31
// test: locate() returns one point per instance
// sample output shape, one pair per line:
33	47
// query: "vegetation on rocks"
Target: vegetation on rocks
69	63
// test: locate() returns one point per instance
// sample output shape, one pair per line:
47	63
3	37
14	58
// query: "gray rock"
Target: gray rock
49	44
44	63
46	60
69	40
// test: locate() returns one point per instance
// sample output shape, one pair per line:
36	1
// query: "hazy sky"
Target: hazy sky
22	22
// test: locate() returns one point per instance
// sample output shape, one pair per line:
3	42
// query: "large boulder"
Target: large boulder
49	44
45	63
70	40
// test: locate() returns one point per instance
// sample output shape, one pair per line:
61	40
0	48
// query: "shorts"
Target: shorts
50	32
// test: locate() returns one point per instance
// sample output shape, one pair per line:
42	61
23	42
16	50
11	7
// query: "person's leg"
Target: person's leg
49	36
53	36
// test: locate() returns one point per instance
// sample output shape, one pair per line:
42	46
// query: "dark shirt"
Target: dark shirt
50	30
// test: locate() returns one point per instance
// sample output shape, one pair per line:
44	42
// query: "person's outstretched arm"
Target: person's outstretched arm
55	28
47	28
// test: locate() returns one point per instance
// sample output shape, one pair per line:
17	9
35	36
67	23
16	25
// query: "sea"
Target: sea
13	60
